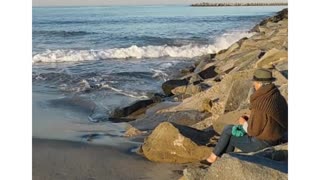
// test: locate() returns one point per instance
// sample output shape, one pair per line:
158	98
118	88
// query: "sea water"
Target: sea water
89	60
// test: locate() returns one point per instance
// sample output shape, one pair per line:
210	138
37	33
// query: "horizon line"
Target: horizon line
68	6
104	5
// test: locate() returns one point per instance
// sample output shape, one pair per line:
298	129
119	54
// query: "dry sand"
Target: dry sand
54	159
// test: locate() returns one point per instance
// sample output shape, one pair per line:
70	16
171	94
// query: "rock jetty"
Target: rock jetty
182	125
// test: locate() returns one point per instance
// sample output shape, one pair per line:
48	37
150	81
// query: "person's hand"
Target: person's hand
242	120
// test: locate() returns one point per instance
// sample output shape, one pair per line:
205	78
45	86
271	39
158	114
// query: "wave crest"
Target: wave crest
186	51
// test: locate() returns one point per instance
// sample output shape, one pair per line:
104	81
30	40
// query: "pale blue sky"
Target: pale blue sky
131	2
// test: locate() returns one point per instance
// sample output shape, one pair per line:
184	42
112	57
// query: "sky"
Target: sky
131	2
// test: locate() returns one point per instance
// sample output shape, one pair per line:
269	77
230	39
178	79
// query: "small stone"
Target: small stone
132	131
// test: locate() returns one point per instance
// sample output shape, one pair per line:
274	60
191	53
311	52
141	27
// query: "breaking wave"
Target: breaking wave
185	51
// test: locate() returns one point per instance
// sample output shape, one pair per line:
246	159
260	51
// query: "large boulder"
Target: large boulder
227	64
238	94
247	60
268	163
271	57
229	167
223	54
167	144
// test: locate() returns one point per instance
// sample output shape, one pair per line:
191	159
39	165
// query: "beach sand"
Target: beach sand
55	159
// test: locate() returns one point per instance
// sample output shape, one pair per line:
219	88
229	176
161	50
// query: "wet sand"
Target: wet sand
55	159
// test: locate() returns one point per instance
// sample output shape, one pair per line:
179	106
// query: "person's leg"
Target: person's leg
246	144
236	142
222	144
224	139
230	148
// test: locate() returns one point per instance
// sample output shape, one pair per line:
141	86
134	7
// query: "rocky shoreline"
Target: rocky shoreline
183	124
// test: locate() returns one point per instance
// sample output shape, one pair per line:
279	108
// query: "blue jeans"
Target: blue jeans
245	143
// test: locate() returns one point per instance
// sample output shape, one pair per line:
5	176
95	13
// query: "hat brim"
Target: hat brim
263	79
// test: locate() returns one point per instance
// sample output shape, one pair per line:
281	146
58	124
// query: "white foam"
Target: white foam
124	93
159	74
227	39
186	51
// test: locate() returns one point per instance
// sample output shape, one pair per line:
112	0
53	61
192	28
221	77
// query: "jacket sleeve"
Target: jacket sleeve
256	122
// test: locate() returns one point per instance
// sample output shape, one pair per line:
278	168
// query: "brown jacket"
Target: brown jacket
269	114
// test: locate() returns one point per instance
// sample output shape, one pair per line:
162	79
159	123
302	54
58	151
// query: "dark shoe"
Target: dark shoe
205	162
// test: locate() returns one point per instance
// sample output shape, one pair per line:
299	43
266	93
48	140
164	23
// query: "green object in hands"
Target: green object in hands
238	131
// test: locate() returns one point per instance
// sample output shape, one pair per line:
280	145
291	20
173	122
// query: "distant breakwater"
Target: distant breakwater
205	4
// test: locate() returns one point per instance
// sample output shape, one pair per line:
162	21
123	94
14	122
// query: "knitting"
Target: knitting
238	131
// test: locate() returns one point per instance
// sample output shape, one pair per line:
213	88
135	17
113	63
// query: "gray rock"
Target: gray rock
225	53
269	163
194	173
168	86
128	110
281	79
187	71
190	89
284	91
271	57
157	107
203	60
230	167
208	72
167	144
182	117
247	61
283	68
238	94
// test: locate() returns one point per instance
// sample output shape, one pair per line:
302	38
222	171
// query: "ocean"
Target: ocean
89	60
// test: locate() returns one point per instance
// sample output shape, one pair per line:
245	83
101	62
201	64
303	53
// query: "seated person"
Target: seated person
266	125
